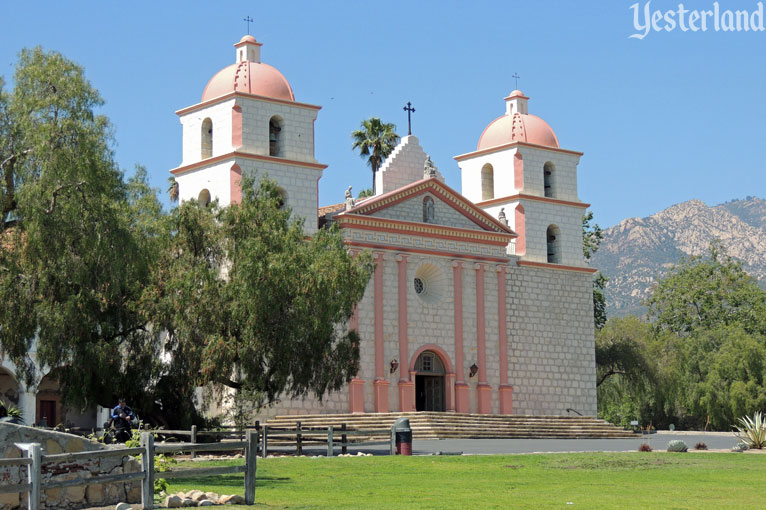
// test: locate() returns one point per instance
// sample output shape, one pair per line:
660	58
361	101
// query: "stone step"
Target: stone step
457	425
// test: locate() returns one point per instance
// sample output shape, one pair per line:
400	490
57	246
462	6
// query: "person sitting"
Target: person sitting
122	419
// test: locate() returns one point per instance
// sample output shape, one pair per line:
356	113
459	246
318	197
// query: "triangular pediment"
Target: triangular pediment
429	201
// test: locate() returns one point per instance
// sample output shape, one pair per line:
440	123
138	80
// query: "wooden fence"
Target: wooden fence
34	461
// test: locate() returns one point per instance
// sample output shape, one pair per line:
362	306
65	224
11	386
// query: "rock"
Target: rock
224	499
173	502
212	496
200	497
123	506
237	500
194	494
94	494
206	502
190	502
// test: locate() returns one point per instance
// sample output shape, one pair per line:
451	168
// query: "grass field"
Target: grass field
631	481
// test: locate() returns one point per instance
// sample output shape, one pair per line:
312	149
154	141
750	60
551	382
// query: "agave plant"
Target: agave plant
752	431
12	411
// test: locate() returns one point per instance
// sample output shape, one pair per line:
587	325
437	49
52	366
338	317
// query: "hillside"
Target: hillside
638	251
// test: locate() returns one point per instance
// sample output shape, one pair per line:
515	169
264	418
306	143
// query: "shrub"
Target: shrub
700	446
677	446
752	431
644	448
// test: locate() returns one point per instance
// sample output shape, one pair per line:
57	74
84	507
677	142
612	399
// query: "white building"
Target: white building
480	302
466	311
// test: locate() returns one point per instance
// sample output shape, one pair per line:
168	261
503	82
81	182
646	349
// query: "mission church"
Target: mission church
480	302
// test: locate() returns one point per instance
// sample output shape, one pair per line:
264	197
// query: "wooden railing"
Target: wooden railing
307	436
303	436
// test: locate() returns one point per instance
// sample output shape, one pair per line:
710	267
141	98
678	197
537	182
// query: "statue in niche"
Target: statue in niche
429	171
429	215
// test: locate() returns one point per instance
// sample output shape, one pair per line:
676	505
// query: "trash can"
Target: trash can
403	432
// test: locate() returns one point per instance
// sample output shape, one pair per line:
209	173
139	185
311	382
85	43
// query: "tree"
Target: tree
621	350
376	140
592	236
250	304
704	293
367	192
76	245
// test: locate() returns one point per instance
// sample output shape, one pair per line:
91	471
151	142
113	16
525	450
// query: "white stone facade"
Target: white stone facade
404	166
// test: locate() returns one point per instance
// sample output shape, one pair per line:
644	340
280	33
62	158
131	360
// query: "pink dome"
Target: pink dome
518	127
250	78
248	38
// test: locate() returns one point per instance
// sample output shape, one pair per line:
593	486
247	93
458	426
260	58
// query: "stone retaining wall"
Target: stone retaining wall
71	497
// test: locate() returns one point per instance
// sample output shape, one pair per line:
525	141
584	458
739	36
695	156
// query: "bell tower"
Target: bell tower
519	167
249	123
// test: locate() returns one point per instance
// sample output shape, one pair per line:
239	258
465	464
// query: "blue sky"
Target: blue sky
675	116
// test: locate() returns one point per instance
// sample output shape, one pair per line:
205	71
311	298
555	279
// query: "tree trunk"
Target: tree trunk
374	172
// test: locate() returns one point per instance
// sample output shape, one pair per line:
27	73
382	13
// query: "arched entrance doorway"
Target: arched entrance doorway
429	382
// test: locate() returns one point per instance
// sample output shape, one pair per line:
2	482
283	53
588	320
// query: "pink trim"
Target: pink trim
356	395
424	252
438	350
522	196
449	392
350	221
457	312
450	196
469	155
406	396
485	398
518	171
381	396
380	372
546	265
461	398
506	399
230	95
520	227
401	261
236	126
235	184
502	325
244	155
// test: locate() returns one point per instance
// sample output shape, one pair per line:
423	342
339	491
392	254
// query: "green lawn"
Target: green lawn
631	481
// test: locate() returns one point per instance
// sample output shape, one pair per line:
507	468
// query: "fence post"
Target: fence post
194	440
393	441
35	475
147	464
265	443
329	441
298	440
343	439
251	456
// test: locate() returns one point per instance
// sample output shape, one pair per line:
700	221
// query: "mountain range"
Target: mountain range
638	252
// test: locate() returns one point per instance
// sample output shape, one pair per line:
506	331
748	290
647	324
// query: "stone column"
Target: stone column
406	385
381	383
461	388
483	389
505	390
28	404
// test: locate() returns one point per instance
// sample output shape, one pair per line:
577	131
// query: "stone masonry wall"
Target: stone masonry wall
71	497
551	346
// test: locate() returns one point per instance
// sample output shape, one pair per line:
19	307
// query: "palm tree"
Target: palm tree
375	139
173	189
